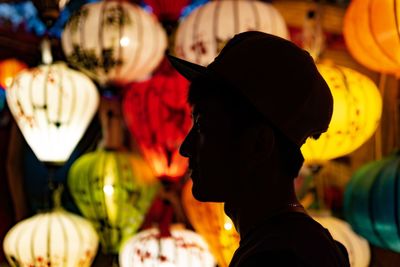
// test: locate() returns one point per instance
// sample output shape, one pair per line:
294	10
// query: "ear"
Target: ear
257	144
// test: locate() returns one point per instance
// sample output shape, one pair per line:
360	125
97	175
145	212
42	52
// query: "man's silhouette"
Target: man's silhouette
253	108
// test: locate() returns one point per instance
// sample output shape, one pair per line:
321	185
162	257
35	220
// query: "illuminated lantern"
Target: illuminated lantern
371	202
356	246
183	248
167	10
112	194
158	117
57	238
114	41
9	68
52	105
357	108
371	34
210	221
201	35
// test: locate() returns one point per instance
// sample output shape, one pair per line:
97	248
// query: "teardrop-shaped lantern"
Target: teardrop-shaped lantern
112	194
356	246
53	106
158	117
201	35
371	32
57	238
184	248
9	68
114	41
357	108
371	202
211	222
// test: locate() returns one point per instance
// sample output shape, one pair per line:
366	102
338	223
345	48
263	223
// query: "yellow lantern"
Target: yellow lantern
371	33
9	68
210	221
356	114
56	238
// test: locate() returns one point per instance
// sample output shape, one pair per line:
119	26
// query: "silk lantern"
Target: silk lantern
112	194
114	41
167	10
53	106
357	108
356	246
158	117
210	221
371	202
9	68
201	35
56	238
183	248
370	29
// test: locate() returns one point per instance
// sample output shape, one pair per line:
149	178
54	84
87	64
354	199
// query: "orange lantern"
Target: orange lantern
372	34
210	221
8	69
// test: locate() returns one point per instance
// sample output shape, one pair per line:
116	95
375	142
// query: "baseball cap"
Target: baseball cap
279	78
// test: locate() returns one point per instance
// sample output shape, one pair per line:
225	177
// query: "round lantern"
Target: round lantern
52	105
357	108
112	194
371	202
167	10
201	35
158	117
183	248
356	246
371	34
210	221
114	41
9	68
57	238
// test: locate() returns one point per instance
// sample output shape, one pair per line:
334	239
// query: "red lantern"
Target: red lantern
158	117
9	68
167	10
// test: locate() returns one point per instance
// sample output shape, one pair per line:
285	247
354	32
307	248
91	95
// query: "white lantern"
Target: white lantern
52	105
57	238
114	41
183	248
357	247
201	36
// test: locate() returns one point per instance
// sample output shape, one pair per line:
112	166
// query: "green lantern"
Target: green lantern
114	190
372	202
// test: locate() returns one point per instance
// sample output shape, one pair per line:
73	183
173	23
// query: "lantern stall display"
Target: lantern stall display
113	190
53	106
183	248
204	32
211	222
9	68
357	108
114	42
56	238
371	33
356	246
371	202
158	117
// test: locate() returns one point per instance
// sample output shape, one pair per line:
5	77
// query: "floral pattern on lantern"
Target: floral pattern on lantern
158	117
183	248
371	202
356	246
201	35
114	41
357	108
113	190
211	222
370	29
53	106
57	238
9	68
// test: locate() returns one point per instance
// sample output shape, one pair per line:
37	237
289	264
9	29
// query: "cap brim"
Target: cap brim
188	69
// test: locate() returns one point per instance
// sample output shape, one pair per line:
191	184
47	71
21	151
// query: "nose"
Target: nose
186	148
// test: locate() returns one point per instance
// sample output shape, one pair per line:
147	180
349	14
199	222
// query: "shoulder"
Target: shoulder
282	258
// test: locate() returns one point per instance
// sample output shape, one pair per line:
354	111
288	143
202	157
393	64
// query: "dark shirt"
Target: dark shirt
290	239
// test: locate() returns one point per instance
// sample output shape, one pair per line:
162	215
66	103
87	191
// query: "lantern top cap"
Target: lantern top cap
280	79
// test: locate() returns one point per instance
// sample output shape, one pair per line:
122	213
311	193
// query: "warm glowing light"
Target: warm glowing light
124	41
9	68
228	226
108	190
